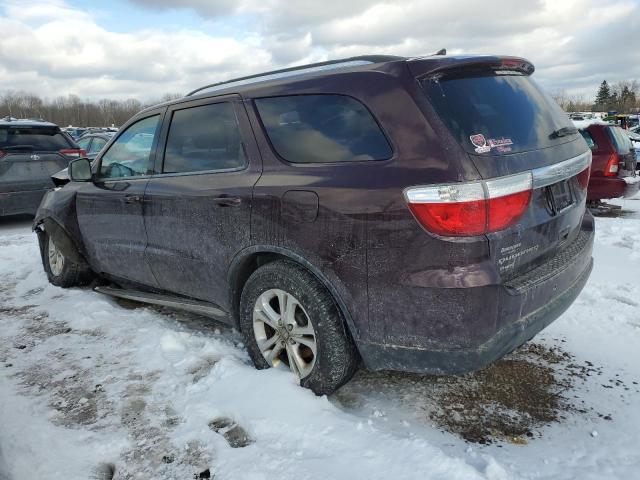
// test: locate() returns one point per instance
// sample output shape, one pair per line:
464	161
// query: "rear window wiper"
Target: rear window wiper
563	132
17	147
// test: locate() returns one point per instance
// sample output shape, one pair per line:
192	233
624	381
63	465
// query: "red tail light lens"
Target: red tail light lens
73	152
468	209
611	170
452	219
2	154
505	211
583	178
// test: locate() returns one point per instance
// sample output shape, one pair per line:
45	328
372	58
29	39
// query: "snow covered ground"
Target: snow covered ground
89	385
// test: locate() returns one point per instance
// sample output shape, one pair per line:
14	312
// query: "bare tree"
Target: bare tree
72	110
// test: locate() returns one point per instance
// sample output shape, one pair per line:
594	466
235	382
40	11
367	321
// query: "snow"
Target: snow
87	381
582	124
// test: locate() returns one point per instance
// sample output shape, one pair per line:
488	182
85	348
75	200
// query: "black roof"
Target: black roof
304	69
419	66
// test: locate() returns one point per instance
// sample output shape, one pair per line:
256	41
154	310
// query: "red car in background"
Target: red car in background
613	169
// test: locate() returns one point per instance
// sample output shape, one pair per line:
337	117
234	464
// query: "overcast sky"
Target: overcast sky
145	48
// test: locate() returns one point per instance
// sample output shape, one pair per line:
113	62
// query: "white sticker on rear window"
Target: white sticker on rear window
480	143
484	145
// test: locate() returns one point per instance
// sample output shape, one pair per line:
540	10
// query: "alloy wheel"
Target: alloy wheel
56	259
284	333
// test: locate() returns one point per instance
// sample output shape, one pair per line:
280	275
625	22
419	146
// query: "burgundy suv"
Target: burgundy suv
613	172
423	214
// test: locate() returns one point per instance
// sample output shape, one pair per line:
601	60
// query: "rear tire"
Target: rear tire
310	339
61	271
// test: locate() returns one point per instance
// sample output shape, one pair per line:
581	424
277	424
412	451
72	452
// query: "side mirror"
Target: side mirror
80	170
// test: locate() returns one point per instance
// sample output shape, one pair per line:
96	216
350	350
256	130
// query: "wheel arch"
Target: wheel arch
251	258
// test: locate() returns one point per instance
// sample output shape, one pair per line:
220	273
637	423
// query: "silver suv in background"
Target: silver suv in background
30	152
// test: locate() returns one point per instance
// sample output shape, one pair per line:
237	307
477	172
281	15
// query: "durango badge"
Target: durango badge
480	143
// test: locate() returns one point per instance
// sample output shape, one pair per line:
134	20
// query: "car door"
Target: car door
198	205
110	209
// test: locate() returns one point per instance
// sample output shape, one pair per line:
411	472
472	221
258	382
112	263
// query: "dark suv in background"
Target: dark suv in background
422	214
30	152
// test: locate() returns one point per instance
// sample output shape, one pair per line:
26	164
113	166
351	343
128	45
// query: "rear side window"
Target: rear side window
496	114
204	138
322	129
620	140
33	139
589	139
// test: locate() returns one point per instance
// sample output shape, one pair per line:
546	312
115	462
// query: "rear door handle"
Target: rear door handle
226	201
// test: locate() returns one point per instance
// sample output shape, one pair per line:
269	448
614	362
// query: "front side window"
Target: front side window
322	129
204	138
129	155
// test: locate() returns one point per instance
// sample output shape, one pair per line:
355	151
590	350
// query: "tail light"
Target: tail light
472	208
2	154
611	170
583	178
73	152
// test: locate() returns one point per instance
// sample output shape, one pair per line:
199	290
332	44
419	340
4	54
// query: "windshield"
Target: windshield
498	114
32	139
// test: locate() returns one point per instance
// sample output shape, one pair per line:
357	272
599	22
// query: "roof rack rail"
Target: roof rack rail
299	70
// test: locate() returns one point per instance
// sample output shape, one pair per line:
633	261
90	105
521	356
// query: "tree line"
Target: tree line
72	110
622	97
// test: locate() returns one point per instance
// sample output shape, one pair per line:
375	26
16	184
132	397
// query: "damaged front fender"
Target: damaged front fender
57	216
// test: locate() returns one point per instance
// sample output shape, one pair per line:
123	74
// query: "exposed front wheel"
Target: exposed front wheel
62	271
289	321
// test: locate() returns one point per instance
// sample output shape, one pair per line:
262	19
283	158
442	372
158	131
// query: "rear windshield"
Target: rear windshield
620	140
32	139
497	114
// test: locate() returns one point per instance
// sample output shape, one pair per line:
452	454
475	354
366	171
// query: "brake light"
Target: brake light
73	152
583	178
611	170
472	208
2	154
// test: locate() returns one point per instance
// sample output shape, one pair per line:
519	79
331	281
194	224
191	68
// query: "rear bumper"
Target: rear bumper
610	187
494	320
17	203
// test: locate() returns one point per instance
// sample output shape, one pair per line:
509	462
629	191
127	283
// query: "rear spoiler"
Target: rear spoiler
424	67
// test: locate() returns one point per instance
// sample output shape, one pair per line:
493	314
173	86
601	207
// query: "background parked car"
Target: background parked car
74	132
92	143
30	152
613	171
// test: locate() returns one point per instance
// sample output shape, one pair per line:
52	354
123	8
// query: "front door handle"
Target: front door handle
227	201
132	199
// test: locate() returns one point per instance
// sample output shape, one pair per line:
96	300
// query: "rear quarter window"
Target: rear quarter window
322	129
589	139
620	140
33	139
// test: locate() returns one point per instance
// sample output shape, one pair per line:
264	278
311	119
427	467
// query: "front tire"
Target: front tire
290	321
61	271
